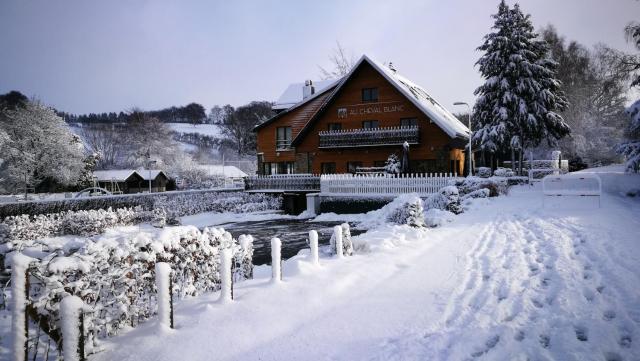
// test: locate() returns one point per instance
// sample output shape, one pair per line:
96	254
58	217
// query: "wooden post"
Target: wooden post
20	297
276	260
72	330
171	301
81	340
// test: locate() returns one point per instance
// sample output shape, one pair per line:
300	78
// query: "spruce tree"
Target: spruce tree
517	104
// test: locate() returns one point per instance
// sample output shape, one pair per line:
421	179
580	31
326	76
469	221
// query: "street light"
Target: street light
470	153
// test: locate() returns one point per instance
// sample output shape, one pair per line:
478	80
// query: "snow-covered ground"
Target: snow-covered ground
211	130
507	279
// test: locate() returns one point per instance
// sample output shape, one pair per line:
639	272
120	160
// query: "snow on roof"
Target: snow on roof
228	171
421	99
150	174
293	94
119	175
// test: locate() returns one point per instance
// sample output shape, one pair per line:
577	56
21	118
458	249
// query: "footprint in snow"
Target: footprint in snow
537	303
544	340
600	289
519	336
588	294
581	333
609	315
625	340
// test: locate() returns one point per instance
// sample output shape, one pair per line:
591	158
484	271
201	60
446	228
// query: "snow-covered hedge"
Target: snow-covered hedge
21	231
15	230
187	202
495	185
503	172
116	279
484	172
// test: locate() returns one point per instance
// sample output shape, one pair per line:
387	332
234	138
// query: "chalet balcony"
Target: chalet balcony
369	137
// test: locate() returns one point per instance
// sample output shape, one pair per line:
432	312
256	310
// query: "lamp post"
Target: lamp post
470	133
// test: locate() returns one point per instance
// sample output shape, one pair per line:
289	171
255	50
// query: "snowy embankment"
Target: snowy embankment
507	279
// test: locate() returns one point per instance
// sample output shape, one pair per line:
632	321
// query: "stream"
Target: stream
292	232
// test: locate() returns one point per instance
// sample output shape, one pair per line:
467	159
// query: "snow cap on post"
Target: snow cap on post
19	267
226	294
163	276
337	233
276	271
70	309
313	243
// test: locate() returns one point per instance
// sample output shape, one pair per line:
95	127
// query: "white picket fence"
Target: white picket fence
384	185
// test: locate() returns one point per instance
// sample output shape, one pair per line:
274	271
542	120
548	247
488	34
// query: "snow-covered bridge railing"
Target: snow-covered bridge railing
384	185
284	182
369	137
575	184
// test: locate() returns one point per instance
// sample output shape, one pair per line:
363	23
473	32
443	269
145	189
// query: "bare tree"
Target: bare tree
341	62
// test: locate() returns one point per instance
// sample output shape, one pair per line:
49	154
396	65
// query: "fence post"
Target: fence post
165	301
20	295
337	234
276	260
70	314
226	293
313	243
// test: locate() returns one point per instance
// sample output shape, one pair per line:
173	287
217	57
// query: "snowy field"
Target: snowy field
210	130
507	279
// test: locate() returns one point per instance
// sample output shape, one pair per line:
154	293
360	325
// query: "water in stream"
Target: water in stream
292	232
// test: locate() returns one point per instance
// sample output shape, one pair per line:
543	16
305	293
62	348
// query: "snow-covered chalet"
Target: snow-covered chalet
339	126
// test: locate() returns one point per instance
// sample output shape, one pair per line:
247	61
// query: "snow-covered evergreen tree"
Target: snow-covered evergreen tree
392	165
631	148
517	104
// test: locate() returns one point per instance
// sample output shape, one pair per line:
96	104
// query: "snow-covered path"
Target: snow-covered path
506	280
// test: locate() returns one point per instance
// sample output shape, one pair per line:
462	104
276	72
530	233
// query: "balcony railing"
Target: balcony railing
283	144
369	137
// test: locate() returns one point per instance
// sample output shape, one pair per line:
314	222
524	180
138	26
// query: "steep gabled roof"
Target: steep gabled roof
147	174
416	94
324	90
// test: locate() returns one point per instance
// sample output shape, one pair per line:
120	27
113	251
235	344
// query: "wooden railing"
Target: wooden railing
384	185
369	137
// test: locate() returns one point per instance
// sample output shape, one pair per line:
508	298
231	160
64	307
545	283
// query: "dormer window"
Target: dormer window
369	94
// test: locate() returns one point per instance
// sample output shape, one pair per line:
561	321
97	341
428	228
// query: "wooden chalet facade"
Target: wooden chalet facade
358	121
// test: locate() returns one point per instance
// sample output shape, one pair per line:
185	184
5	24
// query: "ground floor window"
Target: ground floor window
328	168
352	167
271	168
430	166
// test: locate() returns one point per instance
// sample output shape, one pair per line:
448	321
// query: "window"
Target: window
283	138
370	94
334	126
285	168
408	122
328	168
379	163
368	124
352	167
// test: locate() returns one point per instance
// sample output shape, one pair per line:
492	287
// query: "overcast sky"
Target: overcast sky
89	56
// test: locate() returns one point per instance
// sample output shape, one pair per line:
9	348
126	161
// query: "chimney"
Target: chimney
308	89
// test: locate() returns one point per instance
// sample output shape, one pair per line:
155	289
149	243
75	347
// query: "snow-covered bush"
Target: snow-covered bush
503	172
484	172
479	193
410	213
447	199
117	279
347	244
496	186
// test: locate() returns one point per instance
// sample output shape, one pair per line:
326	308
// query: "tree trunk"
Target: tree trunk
513	159
25	186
